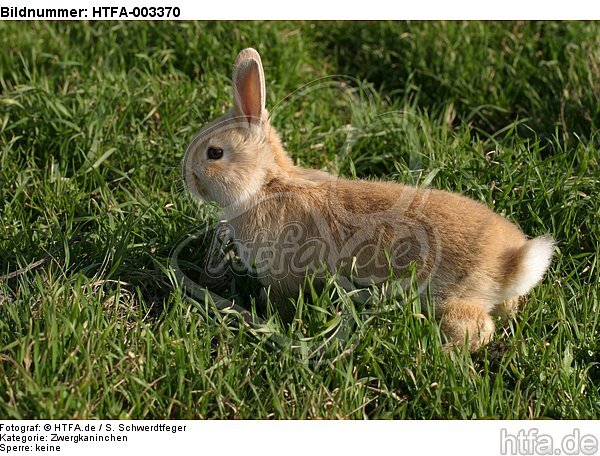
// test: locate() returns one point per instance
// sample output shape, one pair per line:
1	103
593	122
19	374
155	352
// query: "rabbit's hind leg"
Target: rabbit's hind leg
507	309
465	320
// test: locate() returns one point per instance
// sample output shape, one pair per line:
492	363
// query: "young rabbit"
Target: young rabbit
288	222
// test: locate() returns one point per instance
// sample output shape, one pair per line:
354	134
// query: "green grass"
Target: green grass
94	121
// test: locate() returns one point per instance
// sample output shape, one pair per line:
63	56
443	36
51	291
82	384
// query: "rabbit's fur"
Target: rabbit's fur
289	222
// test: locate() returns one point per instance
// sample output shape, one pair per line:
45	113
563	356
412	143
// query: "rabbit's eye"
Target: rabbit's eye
214	153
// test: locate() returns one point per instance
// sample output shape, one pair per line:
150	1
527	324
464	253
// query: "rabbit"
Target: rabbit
289	222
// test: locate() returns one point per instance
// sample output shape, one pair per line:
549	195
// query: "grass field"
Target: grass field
95	119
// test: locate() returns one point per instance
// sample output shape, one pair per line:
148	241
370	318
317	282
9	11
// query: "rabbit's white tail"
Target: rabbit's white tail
528	266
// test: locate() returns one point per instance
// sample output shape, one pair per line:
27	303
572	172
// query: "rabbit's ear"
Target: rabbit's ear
249	86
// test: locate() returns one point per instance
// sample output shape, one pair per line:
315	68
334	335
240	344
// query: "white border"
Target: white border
345	10
302	438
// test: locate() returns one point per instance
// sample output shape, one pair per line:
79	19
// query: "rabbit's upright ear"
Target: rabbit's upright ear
249	86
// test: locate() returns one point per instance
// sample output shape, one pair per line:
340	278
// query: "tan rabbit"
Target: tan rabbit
289	222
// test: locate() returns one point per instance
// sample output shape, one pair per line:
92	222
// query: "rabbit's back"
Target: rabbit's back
369	229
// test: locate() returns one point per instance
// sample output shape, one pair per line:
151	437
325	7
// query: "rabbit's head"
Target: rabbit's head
233	157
